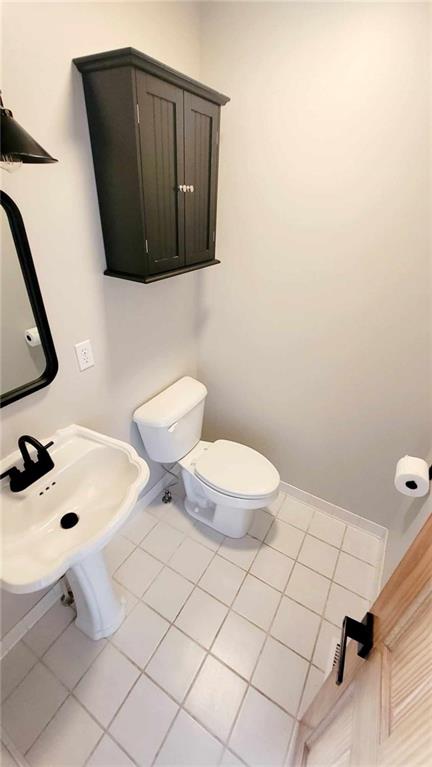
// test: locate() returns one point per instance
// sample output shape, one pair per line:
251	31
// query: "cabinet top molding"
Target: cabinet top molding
124	57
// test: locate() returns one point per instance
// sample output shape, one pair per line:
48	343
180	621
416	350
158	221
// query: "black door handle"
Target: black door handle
362	633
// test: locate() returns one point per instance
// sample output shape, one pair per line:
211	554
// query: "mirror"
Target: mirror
28	358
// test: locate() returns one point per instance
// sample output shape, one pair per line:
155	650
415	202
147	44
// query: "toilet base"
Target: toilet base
227	520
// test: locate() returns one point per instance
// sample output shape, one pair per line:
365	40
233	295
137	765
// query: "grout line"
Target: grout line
208	652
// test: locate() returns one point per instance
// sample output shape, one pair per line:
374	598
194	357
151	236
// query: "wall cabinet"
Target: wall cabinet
155	141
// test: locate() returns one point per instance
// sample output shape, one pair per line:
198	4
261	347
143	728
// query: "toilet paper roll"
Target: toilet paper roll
32	337
412	476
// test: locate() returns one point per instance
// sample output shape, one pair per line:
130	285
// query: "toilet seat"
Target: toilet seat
236	470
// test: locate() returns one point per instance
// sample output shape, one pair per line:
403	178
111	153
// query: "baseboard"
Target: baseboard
150	495
49	599
335	511
28	621
355	520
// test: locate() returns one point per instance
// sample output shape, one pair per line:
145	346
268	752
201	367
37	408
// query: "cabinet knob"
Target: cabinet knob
191	188
181	188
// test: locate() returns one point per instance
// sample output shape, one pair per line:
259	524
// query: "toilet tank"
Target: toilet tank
170	424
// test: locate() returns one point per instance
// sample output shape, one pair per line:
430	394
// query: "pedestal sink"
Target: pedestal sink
61	523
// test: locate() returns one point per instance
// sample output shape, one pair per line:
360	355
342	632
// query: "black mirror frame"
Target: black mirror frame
28	270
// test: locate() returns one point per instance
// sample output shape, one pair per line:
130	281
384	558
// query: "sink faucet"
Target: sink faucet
33	470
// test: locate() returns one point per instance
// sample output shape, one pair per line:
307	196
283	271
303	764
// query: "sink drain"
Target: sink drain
69	520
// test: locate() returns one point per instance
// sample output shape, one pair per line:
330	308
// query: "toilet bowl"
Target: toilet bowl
225	482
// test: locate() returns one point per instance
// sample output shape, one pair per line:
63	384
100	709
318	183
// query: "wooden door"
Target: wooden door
382	713
201	120
162	160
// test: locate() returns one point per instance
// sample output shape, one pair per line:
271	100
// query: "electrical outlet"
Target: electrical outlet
84	355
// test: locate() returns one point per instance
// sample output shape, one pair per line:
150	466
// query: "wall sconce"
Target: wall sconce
17	146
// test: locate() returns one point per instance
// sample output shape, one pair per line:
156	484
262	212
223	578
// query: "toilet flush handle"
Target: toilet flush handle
173	427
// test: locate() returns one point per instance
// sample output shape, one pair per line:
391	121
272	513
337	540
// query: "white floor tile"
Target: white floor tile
362	545
327	528
238	644
72	654
318	556
128	600
6	758
257	601
177	516
325	645
275	505
356	576
116	551
143	721
296	626
49	627
313	684
14	667
261	524
342	602
68	740
201	617
105	685
138	526
168	593
162	541
189	745
140	634
231	760
262	732
158	508
138	571
175	663
285	538
30	707
109	754
272	567
296	513
308	587
240	551
191	559
222	579
280	675
215	697
206	535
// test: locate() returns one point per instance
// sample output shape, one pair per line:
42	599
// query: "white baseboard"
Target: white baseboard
345	516
50	598
335	511
25	624
150	495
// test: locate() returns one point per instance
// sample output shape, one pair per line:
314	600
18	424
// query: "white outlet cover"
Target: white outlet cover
84	353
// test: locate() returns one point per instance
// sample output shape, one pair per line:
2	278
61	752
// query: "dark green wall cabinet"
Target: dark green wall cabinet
155	141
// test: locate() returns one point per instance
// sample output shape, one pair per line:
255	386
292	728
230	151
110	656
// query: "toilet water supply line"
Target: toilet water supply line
169	471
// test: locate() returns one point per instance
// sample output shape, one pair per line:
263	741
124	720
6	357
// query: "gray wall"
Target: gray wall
143	336
315	334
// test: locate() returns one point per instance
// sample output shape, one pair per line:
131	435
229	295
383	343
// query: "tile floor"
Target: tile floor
224	645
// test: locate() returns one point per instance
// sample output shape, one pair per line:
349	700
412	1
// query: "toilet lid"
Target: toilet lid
237	470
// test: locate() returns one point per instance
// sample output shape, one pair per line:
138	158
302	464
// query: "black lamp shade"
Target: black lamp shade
17	145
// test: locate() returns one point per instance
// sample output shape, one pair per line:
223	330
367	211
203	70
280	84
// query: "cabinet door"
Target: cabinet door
201	121
162	160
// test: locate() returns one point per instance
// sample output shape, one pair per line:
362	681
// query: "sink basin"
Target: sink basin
63	521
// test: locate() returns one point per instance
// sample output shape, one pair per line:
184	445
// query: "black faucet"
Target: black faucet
33	470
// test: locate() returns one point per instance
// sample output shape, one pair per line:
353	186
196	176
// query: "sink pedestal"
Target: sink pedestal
99	610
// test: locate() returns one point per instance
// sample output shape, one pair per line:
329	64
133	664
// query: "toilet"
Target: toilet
225	482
